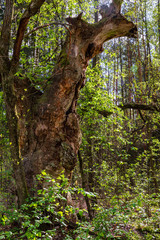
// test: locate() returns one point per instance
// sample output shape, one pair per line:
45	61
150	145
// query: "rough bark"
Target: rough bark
11	93
44	128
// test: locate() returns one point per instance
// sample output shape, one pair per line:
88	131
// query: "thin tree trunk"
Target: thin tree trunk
121	67
139	62
84	183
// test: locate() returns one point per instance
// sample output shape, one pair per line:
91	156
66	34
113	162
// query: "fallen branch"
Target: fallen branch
139	106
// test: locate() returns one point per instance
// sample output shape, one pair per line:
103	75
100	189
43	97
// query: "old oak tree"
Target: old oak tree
44	126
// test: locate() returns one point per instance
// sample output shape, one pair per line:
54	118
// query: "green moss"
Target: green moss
64	59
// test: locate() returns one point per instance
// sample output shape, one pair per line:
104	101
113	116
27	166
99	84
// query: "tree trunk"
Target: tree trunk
44	127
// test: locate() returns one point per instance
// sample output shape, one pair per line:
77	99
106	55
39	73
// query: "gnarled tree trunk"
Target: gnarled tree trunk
44	127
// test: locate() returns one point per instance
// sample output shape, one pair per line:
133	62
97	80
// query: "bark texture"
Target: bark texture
44	127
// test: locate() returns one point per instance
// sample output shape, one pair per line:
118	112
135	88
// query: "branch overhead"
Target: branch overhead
94	35
32	9
44	26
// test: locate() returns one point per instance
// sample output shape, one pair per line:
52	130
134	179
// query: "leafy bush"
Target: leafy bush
42	216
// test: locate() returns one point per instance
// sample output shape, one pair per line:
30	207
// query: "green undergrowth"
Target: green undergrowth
136	219
44	216
48	216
